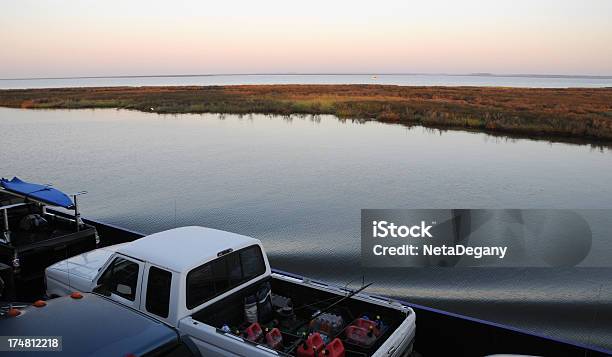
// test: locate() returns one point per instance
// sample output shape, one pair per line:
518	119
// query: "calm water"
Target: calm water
405	79
298	184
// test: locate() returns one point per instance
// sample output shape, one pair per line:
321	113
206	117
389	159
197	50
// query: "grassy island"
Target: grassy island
574	113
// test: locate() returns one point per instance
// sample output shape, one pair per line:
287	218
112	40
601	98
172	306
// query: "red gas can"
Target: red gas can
311	347
274	339
359	335
334	348
368	325
254	332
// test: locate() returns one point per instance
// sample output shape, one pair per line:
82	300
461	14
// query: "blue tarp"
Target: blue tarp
37	192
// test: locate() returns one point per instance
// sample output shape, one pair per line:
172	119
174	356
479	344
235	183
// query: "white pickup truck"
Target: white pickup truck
217	288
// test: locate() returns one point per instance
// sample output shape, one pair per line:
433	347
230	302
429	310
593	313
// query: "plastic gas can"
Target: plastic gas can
368	325
359	336
254	332
274	339
311	347
334	348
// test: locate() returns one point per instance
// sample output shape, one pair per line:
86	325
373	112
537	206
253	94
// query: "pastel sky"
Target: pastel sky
41	38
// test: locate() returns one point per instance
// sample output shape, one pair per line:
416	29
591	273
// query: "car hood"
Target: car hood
85	265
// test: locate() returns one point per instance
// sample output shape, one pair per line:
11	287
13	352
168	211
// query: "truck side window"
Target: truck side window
121	278
158	291
223	274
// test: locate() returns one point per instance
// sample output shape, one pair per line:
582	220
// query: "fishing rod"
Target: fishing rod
321	312
305	306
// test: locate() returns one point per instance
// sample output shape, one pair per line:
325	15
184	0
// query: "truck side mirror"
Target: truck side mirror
102	290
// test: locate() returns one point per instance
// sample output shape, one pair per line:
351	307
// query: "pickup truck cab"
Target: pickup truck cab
88	327
202	281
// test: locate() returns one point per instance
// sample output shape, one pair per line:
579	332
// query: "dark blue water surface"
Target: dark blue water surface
298	184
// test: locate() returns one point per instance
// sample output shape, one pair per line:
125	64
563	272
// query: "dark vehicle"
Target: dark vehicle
32	238
91	325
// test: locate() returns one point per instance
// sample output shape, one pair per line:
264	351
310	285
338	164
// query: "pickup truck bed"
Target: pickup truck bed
308	298
33	249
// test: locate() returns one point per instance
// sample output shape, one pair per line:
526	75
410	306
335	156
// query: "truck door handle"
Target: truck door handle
391	350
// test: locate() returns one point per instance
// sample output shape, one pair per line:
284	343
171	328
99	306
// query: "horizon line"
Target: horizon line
477	74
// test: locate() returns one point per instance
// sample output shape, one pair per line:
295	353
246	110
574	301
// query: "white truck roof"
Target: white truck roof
182	249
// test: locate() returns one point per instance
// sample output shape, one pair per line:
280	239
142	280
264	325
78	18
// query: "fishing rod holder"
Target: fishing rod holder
77	214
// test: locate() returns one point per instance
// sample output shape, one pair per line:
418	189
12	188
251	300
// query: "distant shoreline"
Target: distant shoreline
498	75
571	113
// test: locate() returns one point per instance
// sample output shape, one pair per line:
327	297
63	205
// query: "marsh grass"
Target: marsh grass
573	112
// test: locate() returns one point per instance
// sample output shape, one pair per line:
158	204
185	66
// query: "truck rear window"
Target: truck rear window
223	274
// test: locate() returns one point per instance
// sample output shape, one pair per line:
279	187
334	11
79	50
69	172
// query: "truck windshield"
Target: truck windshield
223	274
